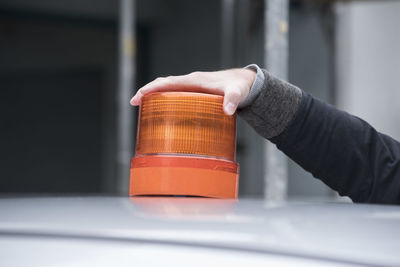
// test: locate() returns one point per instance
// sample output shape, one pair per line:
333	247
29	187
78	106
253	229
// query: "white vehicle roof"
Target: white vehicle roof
154	229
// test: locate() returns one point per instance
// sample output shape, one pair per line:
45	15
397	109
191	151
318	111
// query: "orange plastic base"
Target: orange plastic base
188	176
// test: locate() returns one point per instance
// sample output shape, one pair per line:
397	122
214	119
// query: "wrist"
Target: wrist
250	74
256	84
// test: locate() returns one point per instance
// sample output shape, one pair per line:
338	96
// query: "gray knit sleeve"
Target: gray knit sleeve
255	88
272	106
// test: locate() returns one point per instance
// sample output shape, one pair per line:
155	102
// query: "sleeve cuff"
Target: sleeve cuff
273	108
255	88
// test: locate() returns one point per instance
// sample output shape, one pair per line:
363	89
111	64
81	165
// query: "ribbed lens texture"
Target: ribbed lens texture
185	123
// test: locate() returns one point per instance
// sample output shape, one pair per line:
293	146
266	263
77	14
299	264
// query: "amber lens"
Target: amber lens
185	123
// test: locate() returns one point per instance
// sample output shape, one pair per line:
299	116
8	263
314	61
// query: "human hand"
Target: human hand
233	84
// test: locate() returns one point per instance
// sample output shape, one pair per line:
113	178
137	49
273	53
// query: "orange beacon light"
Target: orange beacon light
185	145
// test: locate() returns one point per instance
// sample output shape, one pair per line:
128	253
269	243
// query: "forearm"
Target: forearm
340	149
343	151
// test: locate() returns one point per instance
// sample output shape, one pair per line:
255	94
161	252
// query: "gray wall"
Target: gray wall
185	38
310	69
59	63
368	65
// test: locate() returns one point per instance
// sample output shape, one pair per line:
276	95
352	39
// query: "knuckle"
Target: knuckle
233	96
234	93
161	79
195	74
141	92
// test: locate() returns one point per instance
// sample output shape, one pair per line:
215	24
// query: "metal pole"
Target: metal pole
125	90
227	33
276	62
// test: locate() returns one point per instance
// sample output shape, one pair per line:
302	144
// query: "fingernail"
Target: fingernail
230	108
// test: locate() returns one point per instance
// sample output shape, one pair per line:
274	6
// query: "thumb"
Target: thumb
231	100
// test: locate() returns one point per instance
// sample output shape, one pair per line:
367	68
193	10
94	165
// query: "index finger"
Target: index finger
189	83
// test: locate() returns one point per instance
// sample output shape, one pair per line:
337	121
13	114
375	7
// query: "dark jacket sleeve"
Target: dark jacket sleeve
344	151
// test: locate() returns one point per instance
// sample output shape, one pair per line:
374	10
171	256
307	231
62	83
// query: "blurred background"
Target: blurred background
69	68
